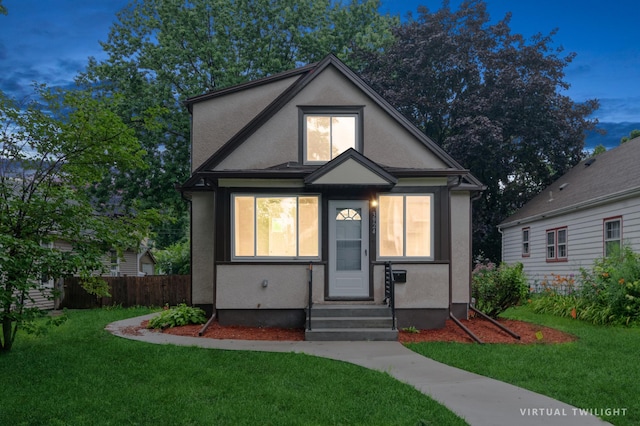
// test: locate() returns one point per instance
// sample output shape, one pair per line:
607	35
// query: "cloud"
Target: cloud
619	110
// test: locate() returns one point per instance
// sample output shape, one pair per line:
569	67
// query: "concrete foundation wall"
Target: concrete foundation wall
241	286
427	286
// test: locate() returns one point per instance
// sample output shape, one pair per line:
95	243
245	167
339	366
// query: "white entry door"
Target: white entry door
348	249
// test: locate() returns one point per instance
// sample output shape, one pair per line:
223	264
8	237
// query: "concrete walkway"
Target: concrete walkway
479	400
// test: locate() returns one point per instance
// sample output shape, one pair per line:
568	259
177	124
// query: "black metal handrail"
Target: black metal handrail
390	292
310	296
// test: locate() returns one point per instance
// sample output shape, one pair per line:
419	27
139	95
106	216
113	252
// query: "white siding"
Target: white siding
585	239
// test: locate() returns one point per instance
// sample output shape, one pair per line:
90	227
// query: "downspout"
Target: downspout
475	197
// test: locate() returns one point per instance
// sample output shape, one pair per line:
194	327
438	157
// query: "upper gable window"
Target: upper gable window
328	133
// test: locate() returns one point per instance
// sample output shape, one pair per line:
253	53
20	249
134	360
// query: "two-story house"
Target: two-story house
310	175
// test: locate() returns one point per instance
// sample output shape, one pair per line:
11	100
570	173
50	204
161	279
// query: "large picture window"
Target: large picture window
405	226
275	226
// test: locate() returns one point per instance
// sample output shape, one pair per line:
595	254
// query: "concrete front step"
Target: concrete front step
351	334
341	322
351	322
350	311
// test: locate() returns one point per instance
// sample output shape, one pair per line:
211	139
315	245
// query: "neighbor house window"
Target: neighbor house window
275	226
405	226
612	235
327	134
114	263
557	245
525	242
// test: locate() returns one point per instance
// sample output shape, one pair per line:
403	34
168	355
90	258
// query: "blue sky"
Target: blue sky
49	41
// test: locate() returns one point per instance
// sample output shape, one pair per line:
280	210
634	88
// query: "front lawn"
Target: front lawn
79	374
599	371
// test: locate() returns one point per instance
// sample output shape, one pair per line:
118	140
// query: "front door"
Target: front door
348	249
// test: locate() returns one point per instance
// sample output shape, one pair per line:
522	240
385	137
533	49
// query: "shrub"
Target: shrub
496	289
180	315
613	284
609	293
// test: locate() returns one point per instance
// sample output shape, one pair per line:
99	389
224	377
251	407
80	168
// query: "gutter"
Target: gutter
617	196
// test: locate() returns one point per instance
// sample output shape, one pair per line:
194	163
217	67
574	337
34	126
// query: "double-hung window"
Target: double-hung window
557	245
612	235
114	263
327	133
405	226
275	226
525	242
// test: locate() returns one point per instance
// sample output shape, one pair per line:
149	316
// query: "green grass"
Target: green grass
79	374
600	370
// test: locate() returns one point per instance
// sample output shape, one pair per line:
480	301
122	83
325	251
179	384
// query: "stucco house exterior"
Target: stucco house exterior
593	207
310	175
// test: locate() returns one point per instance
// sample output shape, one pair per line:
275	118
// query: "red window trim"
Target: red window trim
556	259
604	230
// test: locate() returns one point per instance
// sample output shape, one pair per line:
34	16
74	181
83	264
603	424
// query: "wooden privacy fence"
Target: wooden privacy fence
152	290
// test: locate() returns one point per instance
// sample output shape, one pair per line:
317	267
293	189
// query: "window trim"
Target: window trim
255	257
404	196
555	232
604	232
114	267
527	242
357	111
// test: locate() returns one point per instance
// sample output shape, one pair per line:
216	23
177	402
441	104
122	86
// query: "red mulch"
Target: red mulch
483	329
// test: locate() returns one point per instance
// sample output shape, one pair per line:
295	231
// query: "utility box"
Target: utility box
400	276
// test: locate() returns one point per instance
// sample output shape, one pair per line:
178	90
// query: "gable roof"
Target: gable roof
607	177
307	75
351	168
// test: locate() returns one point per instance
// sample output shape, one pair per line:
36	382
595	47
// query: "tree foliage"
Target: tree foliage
162	52
634	134
175	259
51	153
490	98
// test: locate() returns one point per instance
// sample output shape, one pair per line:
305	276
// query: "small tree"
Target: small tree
495	289
51	152
634	134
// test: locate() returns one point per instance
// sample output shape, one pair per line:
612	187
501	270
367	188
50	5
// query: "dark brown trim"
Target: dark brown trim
247	85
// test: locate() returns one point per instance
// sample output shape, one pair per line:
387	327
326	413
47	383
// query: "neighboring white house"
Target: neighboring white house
139	262
311	166
578	218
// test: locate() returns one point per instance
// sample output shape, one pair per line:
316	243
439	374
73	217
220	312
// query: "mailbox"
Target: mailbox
399	276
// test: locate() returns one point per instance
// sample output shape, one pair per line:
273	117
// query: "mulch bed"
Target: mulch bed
483	329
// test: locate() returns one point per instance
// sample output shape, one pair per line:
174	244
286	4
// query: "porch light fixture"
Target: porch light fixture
374	203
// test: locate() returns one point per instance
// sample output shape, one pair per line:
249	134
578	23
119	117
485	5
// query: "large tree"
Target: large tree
161	52
51	152
489	97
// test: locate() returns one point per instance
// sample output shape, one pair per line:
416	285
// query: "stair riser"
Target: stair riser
344	335
320	312
346	323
